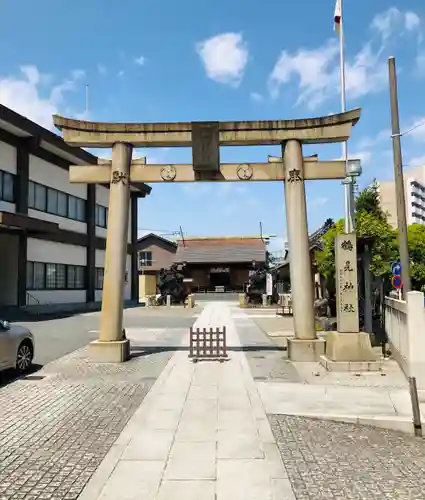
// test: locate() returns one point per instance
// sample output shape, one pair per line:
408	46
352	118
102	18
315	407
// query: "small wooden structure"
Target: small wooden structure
208	344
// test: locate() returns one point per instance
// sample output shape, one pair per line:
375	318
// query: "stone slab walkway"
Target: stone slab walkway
200	434
306	389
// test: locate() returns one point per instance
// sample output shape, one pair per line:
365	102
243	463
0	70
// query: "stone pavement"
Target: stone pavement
306	389
57	425
328	460
90	432
201	433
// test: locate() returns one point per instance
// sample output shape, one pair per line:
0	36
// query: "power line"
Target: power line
420	124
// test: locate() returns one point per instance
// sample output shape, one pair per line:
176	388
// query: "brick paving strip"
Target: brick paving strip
55	431
338	461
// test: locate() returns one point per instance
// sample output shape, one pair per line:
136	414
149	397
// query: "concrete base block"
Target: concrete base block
350	366
349	347
109	352
305	350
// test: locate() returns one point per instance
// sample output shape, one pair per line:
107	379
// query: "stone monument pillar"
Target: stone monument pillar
348	348
305	346
112	345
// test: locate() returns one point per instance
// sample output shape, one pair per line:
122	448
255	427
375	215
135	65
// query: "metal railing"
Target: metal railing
31	297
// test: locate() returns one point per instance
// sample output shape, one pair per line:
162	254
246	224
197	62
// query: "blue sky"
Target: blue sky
221	60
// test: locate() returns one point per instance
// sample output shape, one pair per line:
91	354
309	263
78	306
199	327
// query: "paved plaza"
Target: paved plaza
161	427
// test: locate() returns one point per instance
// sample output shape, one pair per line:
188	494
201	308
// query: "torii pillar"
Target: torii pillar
305	346
112	346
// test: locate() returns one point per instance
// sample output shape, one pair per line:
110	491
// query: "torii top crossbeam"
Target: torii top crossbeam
332	128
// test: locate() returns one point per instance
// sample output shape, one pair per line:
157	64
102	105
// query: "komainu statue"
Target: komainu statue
256	286
170	282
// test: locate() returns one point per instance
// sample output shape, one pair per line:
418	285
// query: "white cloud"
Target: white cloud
120	73
319	77
420	61
416	128
102	69
387	22
317	70
369	142
412	21
140	61
26	93
417	161
363	156
224	57
230	188
256	97
318	202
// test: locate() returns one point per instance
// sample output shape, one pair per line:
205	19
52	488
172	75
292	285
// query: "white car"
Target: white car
16	347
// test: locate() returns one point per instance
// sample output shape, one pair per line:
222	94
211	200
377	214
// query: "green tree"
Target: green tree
371	222
368	201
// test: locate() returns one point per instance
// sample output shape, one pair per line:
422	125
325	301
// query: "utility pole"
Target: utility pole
399	180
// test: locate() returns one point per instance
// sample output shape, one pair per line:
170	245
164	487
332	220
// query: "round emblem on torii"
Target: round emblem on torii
168	173
245	172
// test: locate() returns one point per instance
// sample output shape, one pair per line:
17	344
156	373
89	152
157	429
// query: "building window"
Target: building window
52	201
56	202
7	186
61	276
39	276
49	276
40	201
80	277
75	277
98	278
145	259
81	210
72	207
62	204
101	216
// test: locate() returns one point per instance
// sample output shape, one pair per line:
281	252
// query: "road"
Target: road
55	338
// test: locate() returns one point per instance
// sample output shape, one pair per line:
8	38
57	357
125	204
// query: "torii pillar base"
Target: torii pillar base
116	351
306	350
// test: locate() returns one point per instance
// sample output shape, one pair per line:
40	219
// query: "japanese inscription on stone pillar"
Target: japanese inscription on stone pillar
346	283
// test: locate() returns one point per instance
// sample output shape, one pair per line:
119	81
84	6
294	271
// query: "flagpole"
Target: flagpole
348	184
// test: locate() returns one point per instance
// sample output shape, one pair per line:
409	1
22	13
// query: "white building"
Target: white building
414	186
52	232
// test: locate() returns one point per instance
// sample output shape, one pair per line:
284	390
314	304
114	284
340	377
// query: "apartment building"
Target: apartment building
52	232
414	186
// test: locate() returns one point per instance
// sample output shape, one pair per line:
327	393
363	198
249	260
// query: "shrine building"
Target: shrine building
214	264
218	264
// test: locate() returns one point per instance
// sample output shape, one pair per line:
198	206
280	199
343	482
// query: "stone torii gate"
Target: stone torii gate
205	138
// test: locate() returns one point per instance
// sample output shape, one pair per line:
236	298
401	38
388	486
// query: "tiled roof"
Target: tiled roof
220	250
